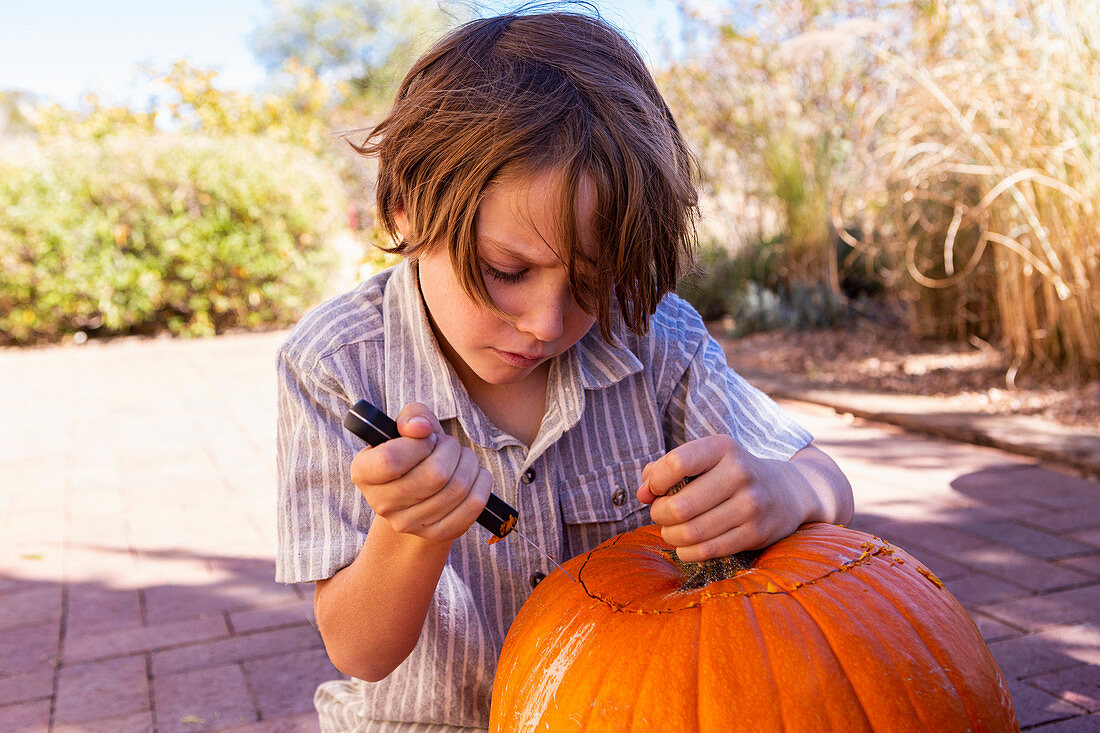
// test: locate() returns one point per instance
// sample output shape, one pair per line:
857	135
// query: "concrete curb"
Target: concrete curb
1076	448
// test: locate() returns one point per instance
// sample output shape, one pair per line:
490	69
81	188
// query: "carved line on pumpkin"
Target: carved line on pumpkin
870	551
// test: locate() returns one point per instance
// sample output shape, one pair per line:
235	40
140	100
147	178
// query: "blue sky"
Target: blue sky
60	49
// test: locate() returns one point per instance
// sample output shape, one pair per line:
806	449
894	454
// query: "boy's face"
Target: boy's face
518	225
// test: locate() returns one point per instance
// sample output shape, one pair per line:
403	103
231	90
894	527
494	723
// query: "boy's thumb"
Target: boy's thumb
416	424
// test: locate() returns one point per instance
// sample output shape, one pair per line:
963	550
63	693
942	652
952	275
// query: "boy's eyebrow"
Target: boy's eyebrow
510	251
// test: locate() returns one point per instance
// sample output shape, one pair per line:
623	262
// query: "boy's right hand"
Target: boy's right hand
423	482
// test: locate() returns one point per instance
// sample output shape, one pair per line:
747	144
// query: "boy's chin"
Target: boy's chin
500	374
504	377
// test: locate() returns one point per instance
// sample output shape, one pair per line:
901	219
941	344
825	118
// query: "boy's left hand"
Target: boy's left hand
736	502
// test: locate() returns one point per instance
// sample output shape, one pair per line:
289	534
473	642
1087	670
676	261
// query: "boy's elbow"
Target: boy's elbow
352	652
365	667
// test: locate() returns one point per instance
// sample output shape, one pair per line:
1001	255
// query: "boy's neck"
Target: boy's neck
517	409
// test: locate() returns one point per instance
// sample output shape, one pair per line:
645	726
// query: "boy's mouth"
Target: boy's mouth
523	361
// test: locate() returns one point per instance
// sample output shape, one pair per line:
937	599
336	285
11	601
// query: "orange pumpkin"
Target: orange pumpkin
829	629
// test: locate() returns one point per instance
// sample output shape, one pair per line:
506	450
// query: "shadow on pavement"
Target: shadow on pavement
186	642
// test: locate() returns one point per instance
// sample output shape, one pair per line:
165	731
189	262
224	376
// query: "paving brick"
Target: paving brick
1080	641
1002	484
113	567
236	649
202	700
1085	515
992	629
285	685
1078	685
300	723
1034	707
28	717
1026	539
176	602
1089	564
270	618
975	589
1032	655
32	606
260	569
922	537
1083	724
1089	537
1037	612
1074	493
1026	511
26	687
145	638
207	527
33	563
12	584
100	690
945	568
93	609
141	722
29	648
1019	569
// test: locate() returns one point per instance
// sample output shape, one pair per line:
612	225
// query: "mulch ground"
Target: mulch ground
874	357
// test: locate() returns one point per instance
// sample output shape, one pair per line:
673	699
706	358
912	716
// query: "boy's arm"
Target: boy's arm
426	490
371	612
827	487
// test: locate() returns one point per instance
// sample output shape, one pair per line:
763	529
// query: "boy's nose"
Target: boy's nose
544	316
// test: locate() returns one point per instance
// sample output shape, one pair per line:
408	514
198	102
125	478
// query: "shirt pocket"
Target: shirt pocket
602	503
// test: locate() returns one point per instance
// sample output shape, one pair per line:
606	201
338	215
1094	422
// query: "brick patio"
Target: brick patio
137	531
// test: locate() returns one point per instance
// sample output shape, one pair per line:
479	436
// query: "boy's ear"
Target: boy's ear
401	219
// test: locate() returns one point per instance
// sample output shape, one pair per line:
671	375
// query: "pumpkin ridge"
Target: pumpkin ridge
841	662
932	645
870	552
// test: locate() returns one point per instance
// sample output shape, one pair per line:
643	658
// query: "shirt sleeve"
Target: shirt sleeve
322	518
710	398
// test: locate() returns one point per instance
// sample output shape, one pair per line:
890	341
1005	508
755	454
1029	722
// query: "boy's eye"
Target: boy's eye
503	276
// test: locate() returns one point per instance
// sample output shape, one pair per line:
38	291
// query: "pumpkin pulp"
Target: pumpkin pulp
701	574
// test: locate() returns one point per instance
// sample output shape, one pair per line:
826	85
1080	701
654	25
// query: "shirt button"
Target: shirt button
537	578
618	498
528	476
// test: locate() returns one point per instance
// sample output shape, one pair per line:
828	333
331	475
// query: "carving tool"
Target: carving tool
376	427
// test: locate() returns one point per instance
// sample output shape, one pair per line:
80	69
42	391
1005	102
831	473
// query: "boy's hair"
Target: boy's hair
531	93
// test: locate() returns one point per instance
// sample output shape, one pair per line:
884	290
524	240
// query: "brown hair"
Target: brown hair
532	93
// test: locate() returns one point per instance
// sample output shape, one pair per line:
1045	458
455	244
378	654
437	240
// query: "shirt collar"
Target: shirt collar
600	364
414	362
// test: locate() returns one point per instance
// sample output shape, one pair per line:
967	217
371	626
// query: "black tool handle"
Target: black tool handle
376	427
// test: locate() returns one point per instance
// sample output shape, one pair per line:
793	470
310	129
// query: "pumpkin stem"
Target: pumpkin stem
700	574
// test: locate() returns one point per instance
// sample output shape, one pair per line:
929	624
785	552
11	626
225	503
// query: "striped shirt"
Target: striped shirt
610	410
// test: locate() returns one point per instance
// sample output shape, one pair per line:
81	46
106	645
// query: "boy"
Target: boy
544	201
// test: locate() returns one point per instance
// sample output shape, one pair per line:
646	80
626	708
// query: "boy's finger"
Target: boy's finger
697	502
463	516
645	494
433	509
417	421
690	459
388	461
737	539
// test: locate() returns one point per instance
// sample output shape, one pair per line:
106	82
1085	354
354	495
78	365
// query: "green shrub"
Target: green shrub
750	287
718	281
143	234
795	307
